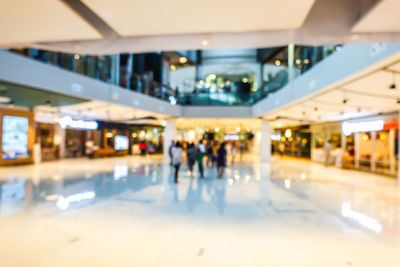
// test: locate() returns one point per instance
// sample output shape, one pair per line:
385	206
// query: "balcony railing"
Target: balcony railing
102	68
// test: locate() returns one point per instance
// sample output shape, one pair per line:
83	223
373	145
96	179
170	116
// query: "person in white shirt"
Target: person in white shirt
177	153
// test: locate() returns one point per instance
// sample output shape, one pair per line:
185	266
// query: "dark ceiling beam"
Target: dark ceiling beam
92	18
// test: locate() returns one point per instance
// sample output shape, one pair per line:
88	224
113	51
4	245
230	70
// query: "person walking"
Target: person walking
233	153
201	150
177	152
327	148
191	157
221	160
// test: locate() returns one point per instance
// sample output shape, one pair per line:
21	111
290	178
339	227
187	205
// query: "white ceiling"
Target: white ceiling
160	17
384	17
366	95
41	20
93	110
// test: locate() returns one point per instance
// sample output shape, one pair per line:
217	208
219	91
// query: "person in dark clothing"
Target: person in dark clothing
200	155
191	157
221	160
177	152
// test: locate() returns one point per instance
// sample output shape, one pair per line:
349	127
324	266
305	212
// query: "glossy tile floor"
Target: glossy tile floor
127	212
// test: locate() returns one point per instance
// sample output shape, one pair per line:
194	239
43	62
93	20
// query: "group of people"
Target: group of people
215	152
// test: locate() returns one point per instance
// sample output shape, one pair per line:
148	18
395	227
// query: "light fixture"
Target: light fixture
288	133
392	86
306	61
76	56
228	82
4	99
245	80
172	67
277	62
212	76
205	42
344	101
183	60
298	61
216	129
237	129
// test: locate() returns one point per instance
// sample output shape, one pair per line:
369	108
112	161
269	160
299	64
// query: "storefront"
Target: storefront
293	142
147	137
17	135
371	145
368	144
47	139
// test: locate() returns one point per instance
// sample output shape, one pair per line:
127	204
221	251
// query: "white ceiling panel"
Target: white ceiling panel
41	20
160	17
383	17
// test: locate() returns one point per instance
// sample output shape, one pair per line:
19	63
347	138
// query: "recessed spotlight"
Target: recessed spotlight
183	60
392	87
345	100
398	101
205	42
277	62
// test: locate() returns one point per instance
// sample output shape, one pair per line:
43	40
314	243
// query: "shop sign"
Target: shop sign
366	126
77	124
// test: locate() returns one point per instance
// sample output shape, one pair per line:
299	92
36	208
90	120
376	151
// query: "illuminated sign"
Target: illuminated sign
77	124
366	126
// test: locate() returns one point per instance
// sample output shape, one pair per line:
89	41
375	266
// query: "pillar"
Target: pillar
265	144
392	159
291	70
357	150
169	136
59	140
373	148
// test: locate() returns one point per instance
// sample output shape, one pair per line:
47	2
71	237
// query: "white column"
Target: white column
265	144
357	150
391	152
373	156
169	136
59	140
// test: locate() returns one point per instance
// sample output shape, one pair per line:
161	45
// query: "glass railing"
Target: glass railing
275	76
102	68
276	71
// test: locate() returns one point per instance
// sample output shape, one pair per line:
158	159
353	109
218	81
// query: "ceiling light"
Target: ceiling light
172	67
228	82
76	56
306	61
205	42
277	62
216	129
345	100
237	129
4	99
298	61
183	60
245	80
212	76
